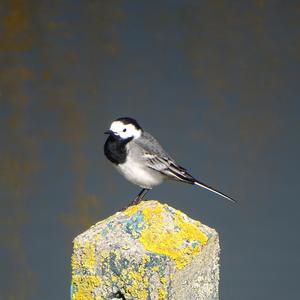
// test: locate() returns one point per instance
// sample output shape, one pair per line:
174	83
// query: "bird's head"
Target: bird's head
125	128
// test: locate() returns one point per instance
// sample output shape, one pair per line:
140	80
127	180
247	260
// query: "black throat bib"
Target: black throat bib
115	149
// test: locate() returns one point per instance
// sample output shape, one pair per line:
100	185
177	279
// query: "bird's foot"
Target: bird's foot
135	201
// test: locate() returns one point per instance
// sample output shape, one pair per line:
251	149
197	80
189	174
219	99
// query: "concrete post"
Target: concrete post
149	252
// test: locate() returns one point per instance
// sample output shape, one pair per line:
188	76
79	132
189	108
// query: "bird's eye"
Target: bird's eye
124	130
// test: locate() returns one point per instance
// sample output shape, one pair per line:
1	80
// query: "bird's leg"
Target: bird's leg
140	196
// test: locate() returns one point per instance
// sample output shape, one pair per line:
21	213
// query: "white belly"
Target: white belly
140	174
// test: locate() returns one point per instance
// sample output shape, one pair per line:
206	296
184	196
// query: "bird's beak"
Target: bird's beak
110	132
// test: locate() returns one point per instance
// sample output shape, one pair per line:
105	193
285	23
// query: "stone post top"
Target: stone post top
158	227
140	252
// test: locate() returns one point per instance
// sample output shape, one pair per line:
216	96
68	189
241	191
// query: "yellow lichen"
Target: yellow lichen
163	280
136	282
136	286
162	294
155	268
156	238
89	257
131	210
84	286
88	252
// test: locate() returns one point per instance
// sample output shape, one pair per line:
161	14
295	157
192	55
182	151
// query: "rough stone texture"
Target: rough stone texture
149	251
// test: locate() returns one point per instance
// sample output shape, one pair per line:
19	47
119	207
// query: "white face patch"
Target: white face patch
125	131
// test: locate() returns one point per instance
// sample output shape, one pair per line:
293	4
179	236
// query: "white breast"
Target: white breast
139	174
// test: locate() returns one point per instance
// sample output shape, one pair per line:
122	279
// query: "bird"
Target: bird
139	157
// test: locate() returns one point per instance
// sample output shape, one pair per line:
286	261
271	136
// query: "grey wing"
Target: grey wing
156	158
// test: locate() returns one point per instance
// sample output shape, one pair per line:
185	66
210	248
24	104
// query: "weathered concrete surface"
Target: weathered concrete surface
150	251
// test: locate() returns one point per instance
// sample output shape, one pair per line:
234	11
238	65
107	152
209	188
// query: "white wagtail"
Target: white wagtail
141	159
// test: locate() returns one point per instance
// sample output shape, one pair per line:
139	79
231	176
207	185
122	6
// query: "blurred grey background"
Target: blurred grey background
217	82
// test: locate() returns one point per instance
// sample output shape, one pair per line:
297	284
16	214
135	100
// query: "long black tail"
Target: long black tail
181	174
205	186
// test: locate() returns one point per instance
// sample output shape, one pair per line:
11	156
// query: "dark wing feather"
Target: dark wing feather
171	169
159	160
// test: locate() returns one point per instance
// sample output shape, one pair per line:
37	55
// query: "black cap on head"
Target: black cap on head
127	120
